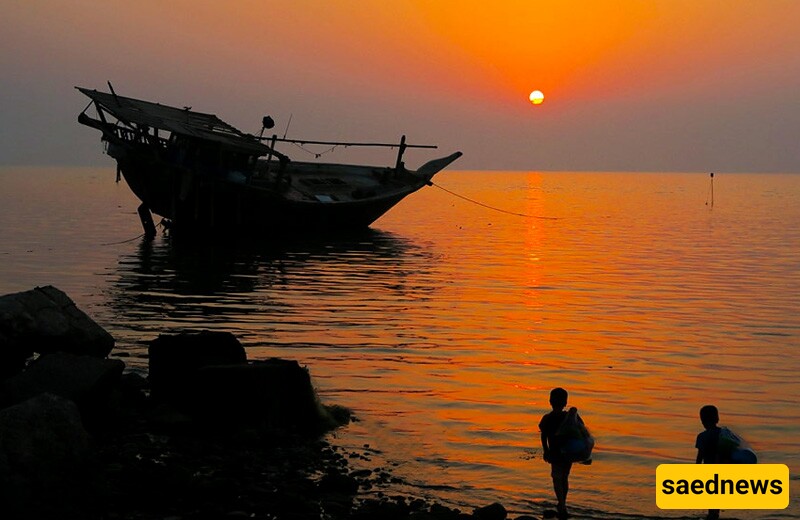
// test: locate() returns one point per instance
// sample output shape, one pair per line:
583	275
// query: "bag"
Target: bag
733	449
575	441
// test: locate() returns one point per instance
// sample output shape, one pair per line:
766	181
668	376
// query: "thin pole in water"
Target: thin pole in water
712	189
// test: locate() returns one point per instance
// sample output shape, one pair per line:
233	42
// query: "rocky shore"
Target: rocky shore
209	434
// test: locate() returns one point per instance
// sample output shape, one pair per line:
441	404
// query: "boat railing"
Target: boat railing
402	143
401	146
141	137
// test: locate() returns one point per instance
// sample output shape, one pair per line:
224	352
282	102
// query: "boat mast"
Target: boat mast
400	151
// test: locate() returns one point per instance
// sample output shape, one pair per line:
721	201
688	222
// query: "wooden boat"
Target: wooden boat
199	173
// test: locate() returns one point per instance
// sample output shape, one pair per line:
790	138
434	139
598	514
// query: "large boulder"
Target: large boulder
175	359
205	377
46	320
275	394
494	511
88	381
44	451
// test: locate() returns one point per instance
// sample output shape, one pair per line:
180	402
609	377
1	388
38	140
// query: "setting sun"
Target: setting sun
536	97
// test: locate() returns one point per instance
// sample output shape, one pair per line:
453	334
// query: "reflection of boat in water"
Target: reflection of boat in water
287	291
199	172
219	268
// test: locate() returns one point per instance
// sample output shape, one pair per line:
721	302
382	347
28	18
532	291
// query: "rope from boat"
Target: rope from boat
160	224
316	154
491	207
122	241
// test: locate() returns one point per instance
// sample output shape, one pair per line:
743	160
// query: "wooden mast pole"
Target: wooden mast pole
399	165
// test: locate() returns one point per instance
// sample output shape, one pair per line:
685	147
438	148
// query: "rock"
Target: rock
494	511
167	417
337	483
383	509
276	394
174	359
44	451
132	388
88	381
444	513
67	375
337	415
13	353
206	376
45	320
439	513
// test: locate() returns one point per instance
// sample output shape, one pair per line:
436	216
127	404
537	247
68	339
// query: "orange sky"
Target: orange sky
629	84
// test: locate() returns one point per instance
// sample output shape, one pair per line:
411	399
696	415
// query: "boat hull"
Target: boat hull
191	201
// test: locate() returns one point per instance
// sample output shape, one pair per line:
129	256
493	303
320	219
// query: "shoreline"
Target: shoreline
208	434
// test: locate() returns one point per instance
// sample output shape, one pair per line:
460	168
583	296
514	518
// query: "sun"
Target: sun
536	97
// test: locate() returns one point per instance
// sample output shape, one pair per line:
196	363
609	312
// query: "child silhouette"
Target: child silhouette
707	444
560	466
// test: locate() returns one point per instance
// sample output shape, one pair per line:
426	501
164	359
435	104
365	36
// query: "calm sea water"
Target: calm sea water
446	325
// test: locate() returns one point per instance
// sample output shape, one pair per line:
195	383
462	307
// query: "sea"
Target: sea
446	324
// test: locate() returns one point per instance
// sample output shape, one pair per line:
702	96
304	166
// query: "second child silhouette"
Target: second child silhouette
560	466
707	444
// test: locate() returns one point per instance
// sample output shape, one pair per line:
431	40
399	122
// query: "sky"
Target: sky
639	85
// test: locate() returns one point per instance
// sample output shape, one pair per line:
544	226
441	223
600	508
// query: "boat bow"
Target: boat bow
431	168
